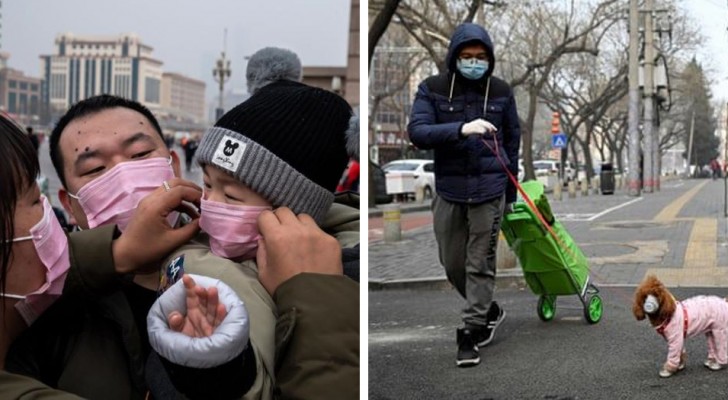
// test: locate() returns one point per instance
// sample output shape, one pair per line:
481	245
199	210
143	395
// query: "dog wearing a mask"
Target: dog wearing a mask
678	320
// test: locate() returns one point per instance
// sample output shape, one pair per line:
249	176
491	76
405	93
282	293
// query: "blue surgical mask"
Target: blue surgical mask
472	68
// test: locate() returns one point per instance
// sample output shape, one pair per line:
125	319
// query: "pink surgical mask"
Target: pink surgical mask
51	244
233	229
113	197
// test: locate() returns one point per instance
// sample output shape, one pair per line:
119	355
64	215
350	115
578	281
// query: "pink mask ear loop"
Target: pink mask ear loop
12	296
20	239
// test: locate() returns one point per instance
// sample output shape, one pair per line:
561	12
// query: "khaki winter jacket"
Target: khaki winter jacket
342	221
317	338
23	388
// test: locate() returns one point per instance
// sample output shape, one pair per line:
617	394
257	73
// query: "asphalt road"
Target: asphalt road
412	351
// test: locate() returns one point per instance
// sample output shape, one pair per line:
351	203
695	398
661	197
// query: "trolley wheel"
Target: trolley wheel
546	308
593	309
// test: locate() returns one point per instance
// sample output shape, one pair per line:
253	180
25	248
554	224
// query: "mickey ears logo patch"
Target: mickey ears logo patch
230	147
229	153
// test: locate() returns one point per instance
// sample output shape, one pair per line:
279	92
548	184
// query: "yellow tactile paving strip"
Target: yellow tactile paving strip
672	210
702	250
700	267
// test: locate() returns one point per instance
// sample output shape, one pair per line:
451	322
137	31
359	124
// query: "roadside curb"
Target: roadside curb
503	280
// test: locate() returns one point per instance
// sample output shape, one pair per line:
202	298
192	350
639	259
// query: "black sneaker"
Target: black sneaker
496	315
468	355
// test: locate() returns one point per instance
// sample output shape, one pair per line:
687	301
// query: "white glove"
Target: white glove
477	127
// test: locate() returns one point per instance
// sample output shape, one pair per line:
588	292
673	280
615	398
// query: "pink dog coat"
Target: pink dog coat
700	314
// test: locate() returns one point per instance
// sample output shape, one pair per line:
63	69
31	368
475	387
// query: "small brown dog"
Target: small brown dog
678	320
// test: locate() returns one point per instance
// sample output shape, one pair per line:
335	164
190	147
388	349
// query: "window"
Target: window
400	167
33	87
151	93
12	100
34	105
23	106
12	84
23	85
429	167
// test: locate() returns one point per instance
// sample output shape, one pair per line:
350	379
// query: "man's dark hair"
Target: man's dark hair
29	129
90	106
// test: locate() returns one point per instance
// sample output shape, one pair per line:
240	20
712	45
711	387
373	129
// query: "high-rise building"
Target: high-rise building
85	66
351	91
19	94
341	80
184	95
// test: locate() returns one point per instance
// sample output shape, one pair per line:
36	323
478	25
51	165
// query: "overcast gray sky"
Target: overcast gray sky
712	18
187	35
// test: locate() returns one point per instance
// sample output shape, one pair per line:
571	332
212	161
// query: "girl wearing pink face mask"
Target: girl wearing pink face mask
33	246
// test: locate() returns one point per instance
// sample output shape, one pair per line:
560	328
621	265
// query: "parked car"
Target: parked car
551	167
422	170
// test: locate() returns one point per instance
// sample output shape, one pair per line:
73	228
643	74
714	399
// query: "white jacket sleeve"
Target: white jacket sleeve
227	341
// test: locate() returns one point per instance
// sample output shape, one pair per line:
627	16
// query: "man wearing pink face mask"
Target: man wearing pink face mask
110	157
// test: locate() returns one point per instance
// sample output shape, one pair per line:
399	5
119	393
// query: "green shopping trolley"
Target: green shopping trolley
553	265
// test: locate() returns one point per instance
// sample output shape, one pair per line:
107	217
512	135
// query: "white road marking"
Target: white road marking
607	211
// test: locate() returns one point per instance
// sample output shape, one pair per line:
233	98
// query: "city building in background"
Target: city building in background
85	66
397	67
122	65
341	80
20	95
351	88
184	95
328	78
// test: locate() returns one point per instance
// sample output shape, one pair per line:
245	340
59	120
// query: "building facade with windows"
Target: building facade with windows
183	95
20	95
85	66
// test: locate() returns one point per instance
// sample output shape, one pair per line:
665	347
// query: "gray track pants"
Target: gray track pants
467	236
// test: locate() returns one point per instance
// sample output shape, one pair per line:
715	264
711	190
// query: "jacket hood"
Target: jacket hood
468	33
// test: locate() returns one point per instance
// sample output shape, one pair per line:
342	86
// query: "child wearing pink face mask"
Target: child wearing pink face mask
286	146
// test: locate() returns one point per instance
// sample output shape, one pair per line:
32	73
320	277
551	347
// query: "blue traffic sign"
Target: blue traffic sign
559	141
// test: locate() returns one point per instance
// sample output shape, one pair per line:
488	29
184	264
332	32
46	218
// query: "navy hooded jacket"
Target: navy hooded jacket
467	171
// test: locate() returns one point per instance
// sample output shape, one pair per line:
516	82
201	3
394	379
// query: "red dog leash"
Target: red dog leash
528	200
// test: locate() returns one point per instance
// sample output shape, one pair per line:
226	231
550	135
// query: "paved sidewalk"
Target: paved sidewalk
658	233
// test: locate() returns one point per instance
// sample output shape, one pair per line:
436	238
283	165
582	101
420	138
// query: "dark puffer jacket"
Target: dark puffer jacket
467	171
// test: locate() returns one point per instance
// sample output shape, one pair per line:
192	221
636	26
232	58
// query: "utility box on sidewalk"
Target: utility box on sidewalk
606	177
400	182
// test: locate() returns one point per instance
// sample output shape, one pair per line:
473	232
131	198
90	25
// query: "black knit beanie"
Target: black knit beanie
287	142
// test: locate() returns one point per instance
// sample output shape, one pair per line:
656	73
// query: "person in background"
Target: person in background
33	138
715	168
350	179
190	147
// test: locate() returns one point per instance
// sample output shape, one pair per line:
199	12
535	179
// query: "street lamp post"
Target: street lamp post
221	73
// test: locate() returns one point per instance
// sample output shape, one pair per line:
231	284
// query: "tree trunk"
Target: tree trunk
380	24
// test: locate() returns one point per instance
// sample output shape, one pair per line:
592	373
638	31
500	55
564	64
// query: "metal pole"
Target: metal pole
634	101
392	223
649	107
690	142
725	196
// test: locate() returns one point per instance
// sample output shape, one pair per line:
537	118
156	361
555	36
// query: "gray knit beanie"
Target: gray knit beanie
287	142
271	64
